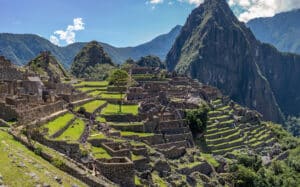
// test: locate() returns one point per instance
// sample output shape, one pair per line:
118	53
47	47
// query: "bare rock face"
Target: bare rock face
217	49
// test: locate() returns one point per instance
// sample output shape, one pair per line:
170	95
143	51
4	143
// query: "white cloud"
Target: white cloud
54	40
193	2
262	8
155	1
69	34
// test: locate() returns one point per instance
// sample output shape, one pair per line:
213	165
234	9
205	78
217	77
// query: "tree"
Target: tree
119	78
197	119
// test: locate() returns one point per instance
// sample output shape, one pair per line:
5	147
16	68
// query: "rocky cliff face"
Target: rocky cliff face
217	49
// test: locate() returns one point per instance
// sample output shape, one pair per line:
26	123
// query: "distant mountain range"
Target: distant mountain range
21	48
282	30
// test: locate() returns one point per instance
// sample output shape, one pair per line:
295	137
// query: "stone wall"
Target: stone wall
7	113
173	152
122	118
117	169
117	149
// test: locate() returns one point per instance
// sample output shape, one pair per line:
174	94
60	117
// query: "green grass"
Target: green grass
93	83
90	107
127	124
210	159
95	93
97	136
74	132
112	96
224	108
157	180
136	157
101	119
99	152
137	181
18	176
127	133
58	123
114	109
86	89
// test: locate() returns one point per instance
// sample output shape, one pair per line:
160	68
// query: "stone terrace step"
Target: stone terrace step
225	145
221	134
228	138
223	151
229	123
183	143
172	124
179	137
179	130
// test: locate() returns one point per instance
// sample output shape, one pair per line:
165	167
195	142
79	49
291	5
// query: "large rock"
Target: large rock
218	50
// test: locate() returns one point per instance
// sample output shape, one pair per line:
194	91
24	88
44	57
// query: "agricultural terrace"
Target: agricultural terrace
114	109
74	132
90	107
58	123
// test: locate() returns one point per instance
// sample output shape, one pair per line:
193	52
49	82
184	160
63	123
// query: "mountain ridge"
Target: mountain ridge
21	48
281	30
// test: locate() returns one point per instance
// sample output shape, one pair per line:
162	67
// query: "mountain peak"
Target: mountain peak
217	49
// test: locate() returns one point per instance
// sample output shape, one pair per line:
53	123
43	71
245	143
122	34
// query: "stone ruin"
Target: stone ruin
25	97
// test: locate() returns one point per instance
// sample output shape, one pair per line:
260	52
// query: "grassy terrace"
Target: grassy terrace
114	109
58	123
99	152
95	93
127	124
92	84
112	96
97	136
74	132
14	155
209	158
127	133
91	106
87	89
100	119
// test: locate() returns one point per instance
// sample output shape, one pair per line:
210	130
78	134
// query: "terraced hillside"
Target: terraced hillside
143	127
227	131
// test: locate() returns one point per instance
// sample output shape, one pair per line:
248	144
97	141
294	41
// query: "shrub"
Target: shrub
82	110
197	119
245	177
38	150
58	163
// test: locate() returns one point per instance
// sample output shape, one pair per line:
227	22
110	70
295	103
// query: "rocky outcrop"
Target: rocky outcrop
90	61
218	50
47	66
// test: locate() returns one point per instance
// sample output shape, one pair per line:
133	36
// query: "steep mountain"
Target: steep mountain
282	30
217	49
21	48
89	60
47	67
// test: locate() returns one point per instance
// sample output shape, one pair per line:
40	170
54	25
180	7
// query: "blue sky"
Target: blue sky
117	22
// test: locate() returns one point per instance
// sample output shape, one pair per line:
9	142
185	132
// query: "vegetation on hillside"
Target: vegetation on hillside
92	62
197	119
